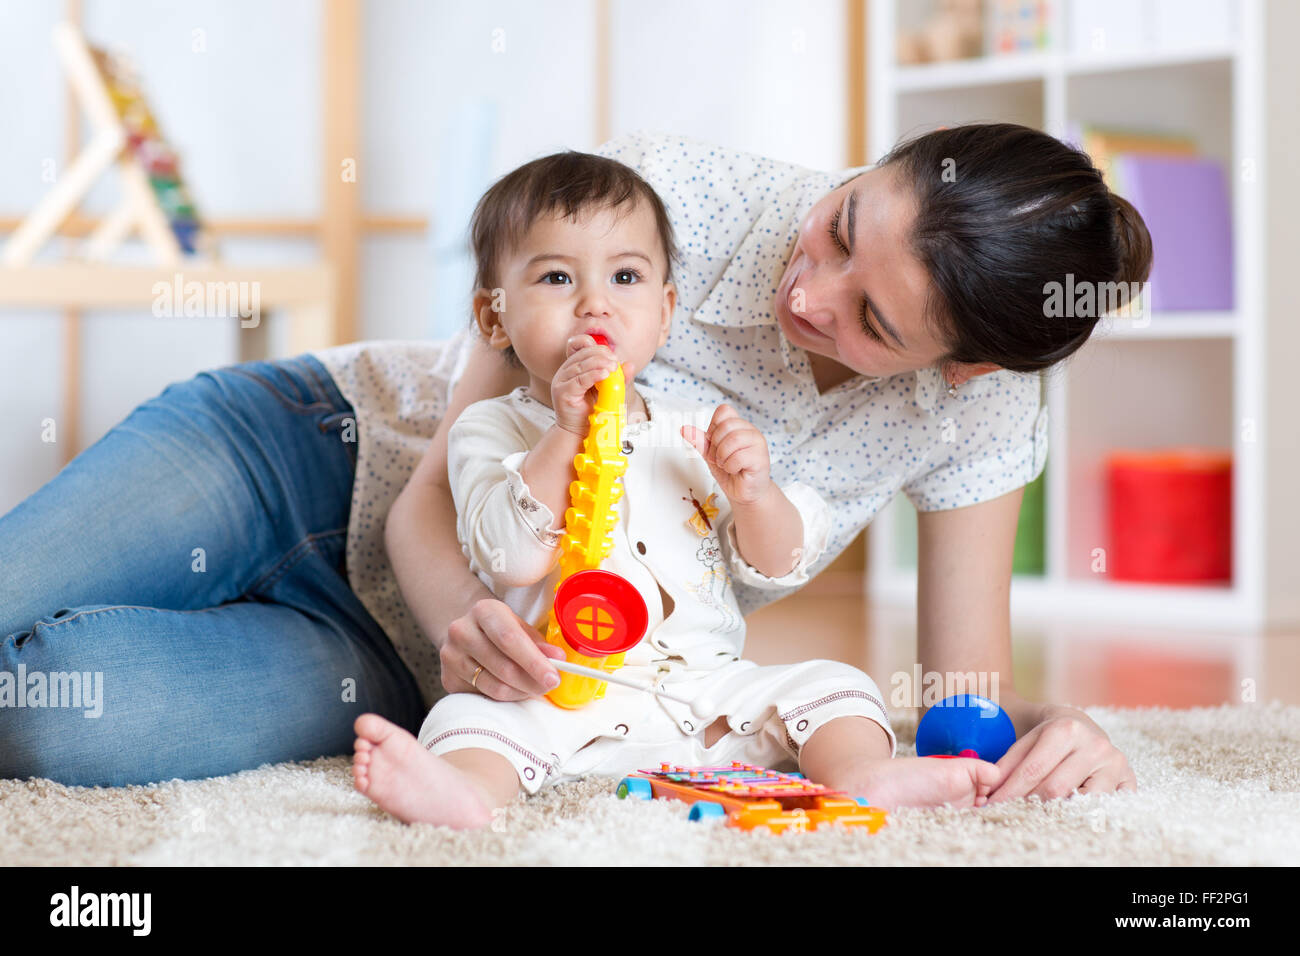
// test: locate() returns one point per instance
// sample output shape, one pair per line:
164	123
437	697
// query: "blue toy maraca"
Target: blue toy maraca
965	725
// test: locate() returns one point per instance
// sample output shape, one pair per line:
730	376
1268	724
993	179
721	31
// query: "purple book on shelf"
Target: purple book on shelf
1184	202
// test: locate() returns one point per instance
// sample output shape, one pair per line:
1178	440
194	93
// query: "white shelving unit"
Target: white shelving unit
1182	378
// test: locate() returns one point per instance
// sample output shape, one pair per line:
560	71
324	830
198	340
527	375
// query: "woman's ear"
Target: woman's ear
958	374
487	316
666	318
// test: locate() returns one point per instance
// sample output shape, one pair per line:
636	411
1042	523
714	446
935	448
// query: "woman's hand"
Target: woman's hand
1065	750
512	654
736	453
964	560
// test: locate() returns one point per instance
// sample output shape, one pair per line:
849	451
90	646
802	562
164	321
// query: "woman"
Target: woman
199	556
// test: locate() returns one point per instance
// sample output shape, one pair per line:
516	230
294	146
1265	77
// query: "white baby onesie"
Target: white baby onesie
674	532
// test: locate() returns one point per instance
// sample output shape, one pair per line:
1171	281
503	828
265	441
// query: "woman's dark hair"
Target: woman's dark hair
1004	211
565	183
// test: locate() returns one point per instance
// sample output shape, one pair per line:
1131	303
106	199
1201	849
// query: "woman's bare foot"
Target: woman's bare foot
392	769
919	781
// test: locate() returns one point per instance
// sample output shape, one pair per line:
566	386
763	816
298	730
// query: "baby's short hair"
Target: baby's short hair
566	183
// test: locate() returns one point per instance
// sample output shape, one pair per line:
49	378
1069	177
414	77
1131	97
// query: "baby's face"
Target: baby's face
601	275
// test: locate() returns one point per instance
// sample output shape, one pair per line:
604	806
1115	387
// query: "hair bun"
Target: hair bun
1132	242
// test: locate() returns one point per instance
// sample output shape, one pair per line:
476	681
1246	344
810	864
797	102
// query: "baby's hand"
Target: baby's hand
573	387
736	453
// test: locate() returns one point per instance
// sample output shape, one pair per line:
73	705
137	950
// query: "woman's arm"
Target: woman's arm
963	597
461	616
964	625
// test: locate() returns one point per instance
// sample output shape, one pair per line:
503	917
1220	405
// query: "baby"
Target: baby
571	247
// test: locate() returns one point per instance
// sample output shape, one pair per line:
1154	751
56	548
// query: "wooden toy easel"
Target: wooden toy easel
123	132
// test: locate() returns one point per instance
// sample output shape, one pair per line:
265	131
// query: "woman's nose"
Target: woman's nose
817	318
807	305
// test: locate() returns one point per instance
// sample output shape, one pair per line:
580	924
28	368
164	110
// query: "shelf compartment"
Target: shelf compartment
1019	102
1183	390
1168	325
974	72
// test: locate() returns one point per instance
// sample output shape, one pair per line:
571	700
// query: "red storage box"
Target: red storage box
1170	515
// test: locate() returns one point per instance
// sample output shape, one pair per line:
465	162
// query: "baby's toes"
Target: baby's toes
361	764
986	776
961	782
976	779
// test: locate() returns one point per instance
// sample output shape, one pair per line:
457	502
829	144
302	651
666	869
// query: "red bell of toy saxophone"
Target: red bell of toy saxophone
597	615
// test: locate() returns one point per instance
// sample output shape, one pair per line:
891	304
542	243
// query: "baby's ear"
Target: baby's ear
487	316
666	318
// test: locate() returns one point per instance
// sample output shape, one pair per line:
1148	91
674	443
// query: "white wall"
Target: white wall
454	95
765	76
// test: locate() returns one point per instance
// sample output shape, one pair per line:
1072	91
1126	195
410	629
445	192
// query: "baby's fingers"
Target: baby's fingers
699	440
586	370
719	430
590	357
722	413
737	451
579	342
593	376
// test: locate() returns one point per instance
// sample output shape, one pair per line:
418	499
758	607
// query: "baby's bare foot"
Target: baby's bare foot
921	782
392	769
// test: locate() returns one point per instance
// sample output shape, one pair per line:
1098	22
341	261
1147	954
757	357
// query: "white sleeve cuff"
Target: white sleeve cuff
816	515
535	515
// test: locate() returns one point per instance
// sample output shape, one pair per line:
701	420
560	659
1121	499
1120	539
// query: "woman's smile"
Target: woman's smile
791	300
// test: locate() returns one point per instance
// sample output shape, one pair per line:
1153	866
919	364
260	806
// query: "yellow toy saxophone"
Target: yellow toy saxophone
596	616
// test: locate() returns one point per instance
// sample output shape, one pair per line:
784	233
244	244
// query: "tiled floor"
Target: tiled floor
1080	666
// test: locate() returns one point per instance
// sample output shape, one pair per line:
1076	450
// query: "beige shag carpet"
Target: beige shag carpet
1216	786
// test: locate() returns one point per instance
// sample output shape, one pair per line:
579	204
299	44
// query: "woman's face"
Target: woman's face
853	291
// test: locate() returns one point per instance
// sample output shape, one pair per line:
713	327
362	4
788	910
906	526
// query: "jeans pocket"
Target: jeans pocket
292	392
344	424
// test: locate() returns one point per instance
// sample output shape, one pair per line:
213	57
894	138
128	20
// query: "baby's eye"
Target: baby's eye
563	276
627	276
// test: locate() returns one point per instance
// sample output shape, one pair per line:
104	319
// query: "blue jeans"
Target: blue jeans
174	603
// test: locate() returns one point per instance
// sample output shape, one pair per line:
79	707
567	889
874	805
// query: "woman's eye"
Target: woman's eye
835	233
866	326
563	276
627	276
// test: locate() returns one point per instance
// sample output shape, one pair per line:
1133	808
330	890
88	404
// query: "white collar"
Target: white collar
929	387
